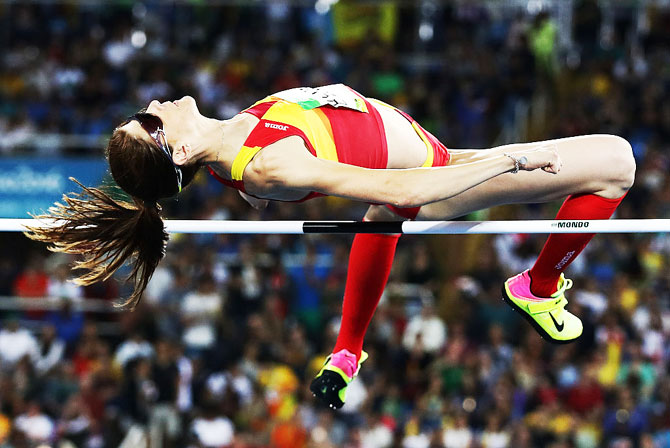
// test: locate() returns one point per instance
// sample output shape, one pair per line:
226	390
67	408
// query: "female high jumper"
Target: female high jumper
307	142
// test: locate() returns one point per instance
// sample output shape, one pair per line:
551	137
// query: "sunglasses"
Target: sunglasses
154	127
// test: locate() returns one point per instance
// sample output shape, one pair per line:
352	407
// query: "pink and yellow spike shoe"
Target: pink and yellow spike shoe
547	315
330	384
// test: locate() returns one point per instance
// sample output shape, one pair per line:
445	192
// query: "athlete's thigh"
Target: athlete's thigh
588	167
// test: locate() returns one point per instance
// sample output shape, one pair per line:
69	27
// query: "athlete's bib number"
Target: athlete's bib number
336	95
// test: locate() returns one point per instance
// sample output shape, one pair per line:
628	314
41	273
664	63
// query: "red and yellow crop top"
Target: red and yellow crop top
335	122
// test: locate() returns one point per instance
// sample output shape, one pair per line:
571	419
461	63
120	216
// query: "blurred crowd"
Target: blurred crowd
231	329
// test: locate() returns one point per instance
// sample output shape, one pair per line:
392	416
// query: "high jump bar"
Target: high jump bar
406	227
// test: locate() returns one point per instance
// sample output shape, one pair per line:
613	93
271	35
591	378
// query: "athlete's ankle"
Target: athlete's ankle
543	289
349	349
346	361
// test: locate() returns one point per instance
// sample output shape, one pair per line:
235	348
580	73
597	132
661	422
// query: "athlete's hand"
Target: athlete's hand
543	157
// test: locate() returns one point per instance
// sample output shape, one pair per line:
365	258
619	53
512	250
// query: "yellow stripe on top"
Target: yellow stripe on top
318	112
430	155
381	103
241	161
313	123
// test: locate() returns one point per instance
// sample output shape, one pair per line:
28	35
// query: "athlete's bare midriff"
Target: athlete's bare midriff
405	147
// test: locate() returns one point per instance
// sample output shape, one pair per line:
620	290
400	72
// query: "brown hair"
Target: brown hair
107	232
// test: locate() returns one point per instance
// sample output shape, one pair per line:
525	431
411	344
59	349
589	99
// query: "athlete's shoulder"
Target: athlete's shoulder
274	166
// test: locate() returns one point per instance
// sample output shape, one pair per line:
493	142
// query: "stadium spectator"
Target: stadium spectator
213	430
136	346
164	422
37	426
425	332
58	285
51	350
68	323
16	343
200	312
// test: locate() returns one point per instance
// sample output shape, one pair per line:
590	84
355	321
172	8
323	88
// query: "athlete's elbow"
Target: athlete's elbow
419	195
404	197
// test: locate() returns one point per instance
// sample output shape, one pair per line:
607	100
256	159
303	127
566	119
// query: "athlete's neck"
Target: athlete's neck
209	140
221	140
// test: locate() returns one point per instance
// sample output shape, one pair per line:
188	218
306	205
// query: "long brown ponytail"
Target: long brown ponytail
107	232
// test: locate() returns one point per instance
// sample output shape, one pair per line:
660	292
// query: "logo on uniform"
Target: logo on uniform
280	127
565	259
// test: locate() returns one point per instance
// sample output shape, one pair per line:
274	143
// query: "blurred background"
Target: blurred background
232	328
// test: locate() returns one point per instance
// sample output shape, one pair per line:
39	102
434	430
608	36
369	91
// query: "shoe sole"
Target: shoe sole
326	388
546	336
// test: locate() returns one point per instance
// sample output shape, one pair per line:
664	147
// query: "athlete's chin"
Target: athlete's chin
187	101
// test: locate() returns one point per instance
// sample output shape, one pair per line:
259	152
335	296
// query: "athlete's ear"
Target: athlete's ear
182	154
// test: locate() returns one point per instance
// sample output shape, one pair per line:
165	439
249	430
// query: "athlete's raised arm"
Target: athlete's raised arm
287	165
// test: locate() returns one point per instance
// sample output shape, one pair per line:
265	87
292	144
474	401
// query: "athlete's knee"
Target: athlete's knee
382	213
621	162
